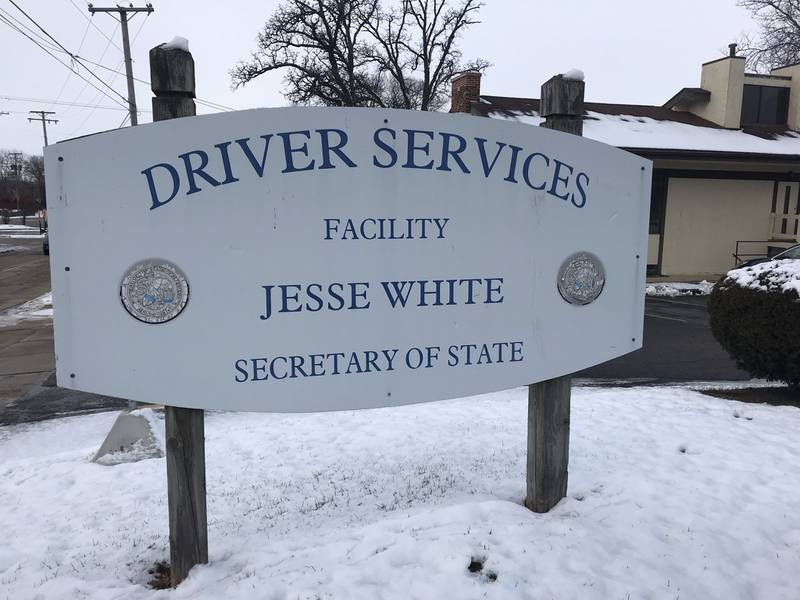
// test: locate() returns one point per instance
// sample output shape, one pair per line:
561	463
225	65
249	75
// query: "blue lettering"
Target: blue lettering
386	148
400	294
413	148
289	151
527	167
447	152
337	149
148	173
488	167
226	162
581	190
198	170
558	179
242	370
258	167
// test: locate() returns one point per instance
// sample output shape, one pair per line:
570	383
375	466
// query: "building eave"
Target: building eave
714	155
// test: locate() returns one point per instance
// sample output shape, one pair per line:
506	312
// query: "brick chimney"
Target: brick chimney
466	89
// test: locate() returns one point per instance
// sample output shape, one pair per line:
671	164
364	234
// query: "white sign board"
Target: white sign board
321	259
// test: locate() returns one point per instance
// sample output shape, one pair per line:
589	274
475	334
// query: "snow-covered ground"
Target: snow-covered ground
6	227
672	289
38	308
672	495
19	232
4	249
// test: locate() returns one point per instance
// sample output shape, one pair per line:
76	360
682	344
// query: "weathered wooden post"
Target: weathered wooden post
548	401
172	82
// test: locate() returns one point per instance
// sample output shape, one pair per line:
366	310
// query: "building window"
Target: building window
658	199
764	105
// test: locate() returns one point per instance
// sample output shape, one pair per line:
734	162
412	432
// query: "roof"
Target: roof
688	96
644	128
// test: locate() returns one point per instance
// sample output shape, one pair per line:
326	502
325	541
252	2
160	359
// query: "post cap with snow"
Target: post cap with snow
172	69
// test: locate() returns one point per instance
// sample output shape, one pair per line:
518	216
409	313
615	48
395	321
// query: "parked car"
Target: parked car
46	244
792	253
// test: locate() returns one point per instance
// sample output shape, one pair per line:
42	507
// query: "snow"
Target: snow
673	289
179	43
783	275
17	228
22	236
574	74
4	249
38	308
672	494
625	131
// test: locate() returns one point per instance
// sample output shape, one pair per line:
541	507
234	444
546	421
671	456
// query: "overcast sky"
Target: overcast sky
632	51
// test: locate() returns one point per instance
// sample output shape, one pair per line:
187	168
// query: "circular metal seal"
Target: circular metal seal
154	291
581	278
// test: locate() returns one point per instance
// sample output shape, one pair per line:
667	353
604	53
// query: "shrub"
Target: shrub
755	316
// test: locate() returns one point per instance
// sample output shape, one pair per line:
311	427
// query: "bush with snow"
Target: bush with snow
755	316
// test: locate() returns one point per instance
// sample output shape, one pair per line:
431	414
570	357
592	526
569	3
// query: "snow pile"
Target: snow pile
19	232
574	74
673	289
21	228
4	249
178	43
771	276
38	308
671	495
625	131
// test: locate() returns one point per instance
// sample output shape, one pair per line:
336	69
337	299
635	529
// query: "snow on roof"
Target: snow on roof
625	131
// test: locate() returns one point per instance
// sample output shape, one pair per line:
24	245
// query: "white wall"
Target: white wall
705	218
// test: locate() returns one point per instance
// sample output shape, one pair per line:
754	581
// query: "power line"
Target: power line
61	103
208	103
92	23
15	23
58	59
105	50
117	72
60	45
69	75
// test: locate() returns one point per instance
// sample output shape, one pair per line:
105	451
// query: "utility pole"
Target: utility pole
123	11
15	156
44	119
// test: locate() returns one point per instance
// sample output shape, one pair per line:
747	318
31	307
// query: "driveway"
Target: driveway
678	346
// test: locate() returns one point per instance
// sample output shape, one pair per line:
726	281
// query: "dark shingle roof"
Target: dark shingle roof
490	104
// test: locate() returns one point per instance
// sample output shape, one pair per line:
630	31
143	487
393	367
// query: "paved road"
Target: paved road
678	346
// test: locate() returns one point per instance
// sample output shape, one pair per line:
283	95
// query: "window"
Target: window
658	198
764	105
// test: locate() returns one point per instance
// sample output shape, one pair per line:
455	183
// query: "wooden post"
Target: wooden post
172	82
548	401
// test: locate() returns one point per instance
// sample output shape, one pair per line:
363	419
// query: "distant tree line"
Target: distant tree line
21	176
392	54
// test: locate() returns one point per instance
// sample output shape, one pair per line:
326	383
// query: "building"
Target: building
726	161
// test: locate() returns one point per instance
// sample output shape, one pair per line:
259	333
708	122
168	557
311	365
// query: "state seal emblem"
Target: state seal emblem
581	278
154	291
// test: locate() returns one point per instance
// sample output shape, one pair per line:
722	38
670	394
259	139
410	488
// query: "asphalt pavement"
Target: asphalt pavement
678	347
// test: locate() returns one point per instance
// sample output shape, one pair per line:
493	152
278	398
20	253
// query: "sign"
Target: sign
303	259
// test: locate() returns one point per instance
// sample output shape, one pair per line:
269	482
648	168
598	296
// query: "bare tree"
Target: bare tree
778	40
34	170
358	53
